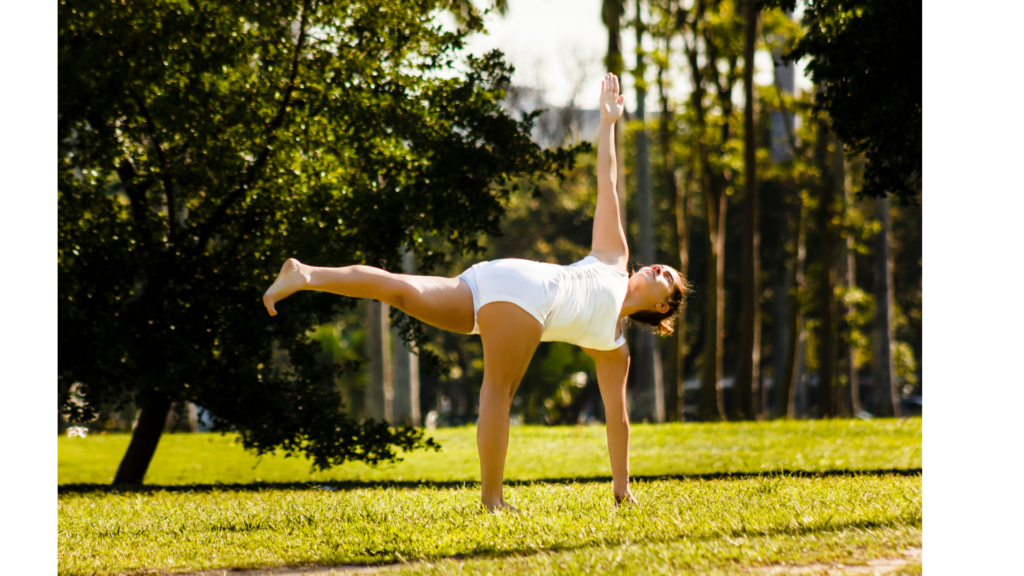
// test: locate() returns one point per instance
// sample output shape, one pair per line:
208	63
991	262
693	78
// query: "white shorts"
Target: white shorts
533	286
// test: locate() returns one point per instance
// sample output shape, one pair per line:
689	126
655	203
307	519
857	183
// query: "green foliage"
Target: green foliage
866	54
556	382
201	144
858	315
906	365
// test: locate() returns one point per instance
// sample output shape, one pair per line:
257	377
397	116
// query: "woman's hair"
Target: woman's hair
665	323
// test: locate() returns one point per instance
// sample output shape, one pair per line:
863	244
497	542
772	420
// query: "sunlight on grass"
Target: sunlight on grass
719	556
534	453
107	533
210	505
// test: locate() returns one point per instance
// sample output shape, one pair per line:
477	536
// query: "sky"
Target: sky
559	46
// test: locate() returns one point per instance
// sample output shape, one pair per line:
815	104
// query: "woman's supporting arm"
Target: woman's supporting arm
609	240
612	368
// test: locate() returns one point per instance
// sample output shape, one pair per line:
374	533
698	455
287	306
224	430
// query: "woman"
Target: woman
516	304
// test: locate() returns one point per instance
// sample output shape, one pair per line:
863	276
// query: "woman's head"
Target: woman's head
664	289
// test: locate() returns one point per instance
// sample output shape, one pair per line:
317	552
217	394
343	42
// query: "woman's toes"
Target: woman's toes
269	303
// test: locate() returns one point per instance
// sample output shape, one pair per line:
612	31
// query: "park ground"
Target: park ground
785	497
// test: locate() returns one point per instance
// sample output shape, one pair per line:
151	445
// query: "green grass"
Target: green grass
535	452
688	519
725	555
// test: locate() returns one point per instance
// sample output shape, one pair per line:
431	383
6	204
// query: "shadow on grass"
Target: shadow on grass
386	558
455	484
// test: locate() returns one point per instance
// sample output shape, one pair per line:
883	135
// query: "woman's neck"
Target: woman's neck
631	304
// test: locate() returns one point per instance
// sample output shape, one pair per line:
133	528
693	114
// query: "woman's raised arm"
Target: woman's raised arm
609	240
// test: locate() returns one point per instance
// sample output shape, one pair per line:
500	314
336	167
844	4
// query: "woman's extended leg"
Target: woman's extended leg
510	336
446	303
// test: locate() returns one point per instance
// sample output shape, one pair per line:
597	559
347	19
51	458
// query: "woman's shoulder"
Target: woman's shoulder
615	262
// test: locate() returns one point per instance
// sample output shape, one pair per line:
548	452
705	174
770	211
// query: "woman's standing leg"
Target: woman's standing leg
445	303
510	336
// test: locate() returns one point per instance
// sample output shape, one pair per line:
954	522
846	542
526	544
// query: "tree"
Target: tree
797	337
467	15
826	336
380	387
664	27
866	54
612	13
886	399
748	361
714	27
848	401
793	172
201	144
406	375
649	394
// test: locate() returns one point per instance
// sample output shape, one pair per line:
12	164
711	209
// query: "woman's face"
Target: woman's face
655	284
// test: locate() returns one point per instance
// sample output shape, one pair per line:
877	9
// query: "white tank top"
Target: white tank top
578	303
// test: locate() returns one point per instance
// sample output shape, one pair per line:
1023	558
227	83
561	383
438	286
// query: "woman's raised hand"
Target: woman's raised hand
612	103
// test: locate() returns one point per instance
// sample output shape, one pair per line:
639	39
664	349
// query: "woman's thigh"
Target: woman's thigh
445	303
510	336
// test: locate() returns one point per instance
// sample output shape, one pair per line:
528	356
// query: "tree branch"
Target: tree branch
164	170
253	170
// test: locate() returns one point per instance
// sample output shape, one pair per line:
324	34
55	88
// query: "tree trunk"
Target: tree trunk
649	395
683	215
680	196
182	417
723	204
886	392
788	381
712	402
683	223
144	442
406	404
748	361
826	281
851	278
379	389
611	15
849	399
783	288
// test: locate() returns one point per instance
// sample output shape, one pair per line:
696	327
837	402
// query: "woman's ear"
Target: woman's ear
661	307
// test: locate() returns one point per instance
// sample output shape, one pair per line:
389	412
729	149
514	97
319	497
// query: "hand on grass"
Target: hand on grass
626	498
612	103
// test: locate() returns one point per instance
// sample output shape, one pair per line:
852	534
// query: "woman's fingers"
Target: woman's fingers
610	85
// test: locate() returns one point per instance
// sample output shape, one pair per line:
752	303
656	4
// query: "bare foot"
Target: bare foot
290	279
501	507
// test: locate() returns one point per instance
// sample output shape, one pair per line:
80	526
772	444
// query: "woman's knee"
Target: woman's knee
497	393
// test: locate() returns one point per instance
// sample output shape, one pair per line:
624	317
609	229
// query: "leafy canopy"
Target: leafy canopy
866	57
202	143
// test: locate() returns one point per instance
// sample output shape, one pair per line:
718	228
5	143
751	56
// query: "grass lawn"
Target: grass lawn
211	508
